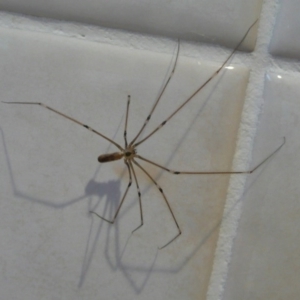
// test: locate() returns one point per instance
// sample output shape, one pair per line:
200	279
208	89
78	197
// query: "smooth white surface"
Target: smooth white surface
286	38
265	262
51	178
214	21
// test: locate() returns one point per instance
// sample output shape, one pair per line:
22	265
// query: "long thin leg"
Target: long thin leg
159	97
119	207
139	194
126	121
198	90
167	202
212	173
70	118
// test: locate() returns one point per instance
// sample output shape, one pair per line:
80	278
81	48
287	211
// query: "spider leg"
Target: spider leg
67	117
139	195
215	172
126	121
160	95
197	91
167	202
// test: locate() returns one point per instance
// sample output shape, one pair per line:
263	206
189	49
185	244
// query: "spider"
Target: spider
129	151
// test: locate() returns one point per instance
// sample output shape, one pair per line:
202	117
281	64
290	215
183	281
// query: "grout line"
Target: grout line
261	62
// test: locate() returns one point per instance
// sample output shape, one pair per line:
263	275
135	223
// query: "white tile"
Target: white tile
286	36
50	245
215	21
265	261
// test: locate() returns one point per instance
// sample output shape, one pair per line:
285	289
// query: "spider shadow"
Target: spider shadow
110	192
110	189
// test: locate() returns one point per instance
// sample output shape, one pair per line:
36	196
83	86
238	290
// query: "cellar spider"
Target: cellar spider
129	151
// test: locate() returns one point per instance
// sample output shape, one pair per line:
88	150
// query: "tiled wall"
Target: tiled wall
239	237
212	21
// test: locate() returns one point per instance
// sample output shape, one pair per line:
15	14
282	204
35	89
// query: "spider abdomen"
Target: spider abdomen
110	157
